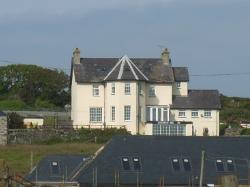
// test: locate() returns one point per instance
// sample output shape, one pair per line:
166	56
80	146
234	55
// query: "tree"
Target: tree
14	121
31	83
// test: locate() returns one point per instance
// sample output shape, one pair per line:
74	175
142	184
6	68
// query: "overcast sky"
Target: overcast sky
207	36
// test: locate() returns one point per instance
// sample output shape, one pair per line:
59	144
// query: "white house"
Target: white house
145	95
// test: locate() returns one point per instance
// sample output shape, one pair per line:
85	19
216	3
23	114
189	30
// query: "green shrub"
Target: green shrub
43	104
14	121
12	105
245	132
223	129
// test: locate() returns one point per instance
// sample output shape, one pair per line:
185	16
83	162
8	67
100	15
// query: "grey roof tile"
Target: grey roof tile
198	99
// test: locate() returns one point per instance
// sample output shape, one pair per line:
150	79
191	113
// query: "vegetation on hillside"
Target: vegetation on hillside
32	87
233	111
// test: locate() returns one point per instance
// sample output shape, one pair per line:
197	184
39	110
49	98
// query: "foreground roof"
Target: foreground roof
156	155
110	69
55	168
198	99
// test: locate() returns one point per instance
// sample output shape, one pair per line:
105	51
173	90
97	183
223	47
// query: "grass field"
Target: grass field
18	156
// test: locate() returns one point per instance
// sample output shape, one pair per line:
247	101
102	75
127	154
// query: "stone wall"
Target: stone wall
30	136
3	130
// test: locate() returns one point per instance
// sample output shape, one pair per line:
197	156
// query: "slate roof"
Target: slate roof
181	74
125	69
198	99
68	164
2	113
96	69
156	153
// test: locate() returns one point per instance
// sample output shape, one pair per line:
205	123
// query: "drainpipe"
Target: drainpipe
138	108
104	106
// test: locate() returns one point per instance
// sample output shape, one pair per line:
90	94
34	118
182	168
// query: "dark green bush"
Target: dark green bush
245	132
14	121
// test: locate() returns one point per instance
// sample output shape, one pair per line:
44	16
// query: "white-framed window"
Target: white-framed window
95	114
127	113
96	90
169	129
195	114
182	114
207	113
156	113
113	88
127	89
151	91
112	113
178	85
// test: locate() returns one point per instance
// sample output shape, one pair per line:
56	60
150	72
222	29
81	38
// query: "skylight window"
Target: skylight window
55	168
125	163
230	165
219	166
176	164
137	164
186	164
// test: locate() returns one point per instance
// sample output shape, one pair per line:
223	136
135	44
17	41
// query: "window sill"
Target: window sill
195	116
152	96
96	95
182	117
127	94
127	120
95	122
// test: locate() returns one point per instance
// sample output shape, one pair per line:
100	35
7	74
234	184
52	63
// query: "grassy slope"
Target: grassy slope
18	156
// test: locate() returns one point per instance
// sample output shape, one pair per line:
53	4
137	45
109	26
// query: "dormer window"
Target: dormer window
96	92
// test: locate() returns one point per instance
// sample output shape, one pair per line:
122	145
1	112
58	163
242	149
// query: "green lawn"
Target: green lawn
18	156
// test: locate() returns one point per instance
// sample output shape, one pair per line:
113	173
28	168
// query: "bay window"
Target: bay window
156	113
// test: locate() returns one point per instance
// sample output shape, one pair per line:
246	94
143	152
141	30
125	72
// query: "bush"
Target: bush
43	104
99	135
14	121
245	132
223	129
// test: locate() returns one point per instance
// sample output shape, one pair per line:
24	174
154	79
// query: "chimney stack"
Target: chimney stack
76	56
165	57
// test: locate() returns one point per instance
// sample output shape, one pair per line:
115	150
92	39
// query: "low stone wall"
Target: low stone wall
3	130
30	136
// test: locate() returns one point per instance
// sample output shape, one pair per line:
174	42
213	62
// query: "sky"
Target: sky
209	37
